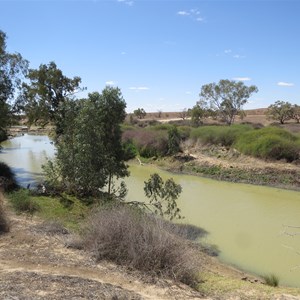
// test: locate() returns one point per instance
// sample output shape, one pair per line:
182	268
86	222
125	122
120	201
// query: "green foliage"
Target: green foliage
197	114
149	143
130	150
65	209
271	280
140	113
219	135
280	111
44	97
12	68
173	140
184	132
90	152
269	143
22	202
129	237
227	98
163	196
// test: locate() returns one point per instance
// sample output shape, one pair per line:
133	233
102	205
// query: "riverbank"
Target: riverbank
35	254
229	165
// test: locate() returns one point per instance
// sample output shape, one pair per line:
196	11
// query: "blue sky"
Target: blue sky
160	53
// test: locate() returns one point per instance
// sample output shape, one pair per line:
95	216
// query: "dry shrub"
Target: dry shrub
149	143
4	223
129	237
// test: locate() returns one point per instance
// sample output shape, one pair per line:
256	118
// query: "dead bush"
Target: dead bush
4	223
128	237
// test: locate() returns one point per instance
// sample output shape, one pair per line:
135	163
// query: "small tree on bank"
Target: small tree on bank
163	196
90	153
227	98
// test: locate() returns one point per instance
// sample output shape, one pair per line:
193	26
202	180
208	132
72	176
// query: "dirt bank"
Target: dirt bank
35	263
230	165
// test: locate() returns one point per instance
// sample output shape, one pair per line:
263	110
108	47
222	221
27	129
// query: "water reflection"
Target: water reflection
25	155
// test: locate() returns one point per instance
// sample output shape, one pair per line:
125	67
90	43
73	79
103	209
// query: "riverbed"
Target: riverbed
247	223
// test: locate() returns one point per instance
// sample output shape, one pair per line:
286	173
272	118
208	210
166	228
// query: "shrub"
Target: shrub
271	280
147	142
184	132
270	143
219	135
4	224
22	202
128	237
7	178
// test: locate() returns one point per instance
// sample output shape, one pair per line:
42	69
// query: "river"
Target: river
246	222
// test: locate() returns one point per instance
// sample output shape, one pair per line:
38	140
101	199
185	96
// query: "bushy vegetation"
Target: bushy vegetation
271	280
269	143
22	202
128	237
148	143
4	223
219	135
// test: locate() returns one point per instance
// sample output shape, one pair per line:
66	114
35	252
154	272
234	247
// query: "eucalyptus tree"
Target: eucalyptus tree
281	111
45	94
227	98
12	69
90	152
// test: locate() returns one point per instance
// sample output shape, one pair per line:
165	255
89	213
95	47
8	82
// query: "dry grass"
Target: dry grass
129	237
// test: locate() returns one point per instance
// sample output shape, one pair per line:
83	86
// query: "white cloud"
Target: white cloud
139	88
110	82
238	56
123	52
127	2
281	83
242	78
192	13
188	93
227	51
183	13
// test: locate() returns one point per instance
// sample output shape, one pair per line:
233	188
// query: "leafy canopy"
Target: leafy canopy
44	96
280	111
227	98
12	69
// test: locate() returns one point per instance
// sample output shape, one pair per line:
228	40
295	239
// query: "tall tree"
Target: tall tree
12	68
227	97
44	97
280	111
90	152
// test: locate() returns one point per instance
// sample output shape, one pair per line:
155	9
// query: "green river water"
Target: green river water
246	222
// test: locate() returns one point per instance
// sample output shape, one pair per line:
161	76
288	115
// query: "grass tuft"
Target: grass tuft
22	202
271	280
